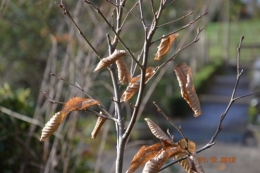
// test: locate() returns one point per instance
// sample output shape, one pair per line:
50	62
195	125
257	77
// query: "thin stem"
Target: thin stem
101	115
115	32
141	12
175	20
184	27
75	85
127	14
169	120
50	99
66	12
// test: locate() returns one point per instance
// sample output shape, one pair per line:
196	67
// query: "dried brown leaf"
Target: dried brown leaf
51	126
154	165
98	125
144	155
195	163
123	72
157	132
184	76
73	104
187	163
109	60
190	145
134	85
164	46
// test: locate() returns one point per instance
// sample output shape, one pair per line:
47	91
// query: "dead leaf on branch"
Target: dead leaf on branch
158	133
103	63
134	85
184	76
144	155
155	155
76	103
123	72
164	46
191	163
99	123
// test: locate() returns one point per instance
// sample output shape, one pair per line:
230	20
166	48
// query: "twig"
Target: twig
127	14
169	120
50	99
75	85
66	12
115	32
175	20
141	12
172	123
104	116
185	26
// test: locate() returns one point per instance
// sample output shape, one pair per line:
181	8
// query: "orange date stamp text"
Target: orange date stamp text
214	159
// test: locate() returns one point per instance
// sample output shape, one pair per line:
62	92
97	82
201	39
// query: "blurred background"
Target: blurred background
36	38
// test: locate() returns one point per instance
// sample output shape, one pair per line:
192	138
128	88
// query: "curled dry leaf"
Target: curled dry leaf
195	163
76	103
98	125
110	59
164	46
51	126
153	165
184	76
144	155
123	72
158	133
134	85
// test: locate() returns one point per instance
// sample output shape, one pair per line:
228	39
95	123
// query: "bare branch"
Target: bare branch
76	86
170	121
66	12
184	27
50	99
115	32
183	17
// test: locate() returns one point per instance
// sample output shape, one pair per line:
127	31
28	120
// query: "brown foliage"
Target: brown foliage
135	84
184	76
109	60
165	46
76	103
123	72
99	123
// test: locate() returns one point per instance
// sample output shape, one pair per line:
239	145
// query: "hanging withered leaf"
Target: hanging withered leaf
123	72
164	46
191	163
155	164
51	126
158	133
134	84
155	155
99	123
76	103
184	76
110	59
144	155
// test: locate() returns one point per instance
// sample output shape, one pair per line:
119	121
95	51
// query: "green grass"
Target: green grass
217	33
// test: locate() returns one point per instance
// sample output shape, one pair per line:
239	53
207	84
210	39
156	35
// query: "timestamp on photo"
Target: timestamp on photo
215	159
